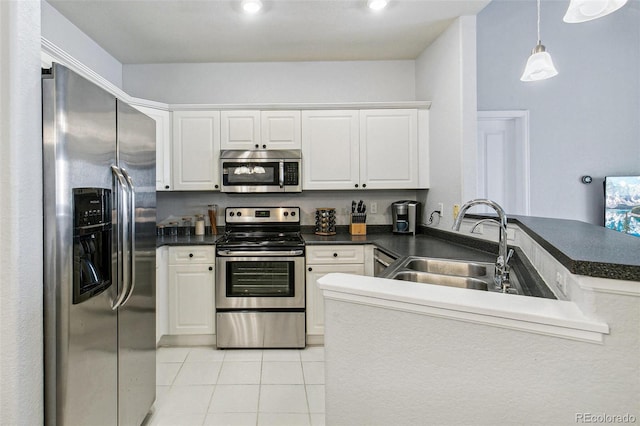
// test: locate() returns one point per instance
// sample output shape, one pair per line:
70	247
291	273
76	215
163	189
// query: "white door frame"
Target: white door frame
520	119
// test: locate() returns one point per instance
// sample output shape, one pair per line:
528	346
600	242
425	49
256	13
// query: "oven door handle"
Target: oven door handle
261	253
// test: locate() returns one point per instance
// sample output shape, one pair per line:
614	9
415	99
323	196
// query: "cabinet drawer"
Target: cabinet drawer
181	255
335	254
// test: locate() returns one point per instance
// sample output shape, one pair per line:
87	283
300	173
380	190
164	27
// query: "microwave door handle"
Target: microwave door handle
281	168
132	233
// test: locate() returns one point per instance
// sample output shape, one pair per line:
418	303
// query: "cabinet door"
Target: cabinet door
281	129
240	130
191	303
315	301
335	254
389	149
330	149
163	146
196	150
162	292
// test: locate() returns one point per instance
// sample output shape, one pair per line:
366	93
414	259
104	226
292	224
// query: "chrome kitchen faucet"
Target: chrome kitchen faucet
501	277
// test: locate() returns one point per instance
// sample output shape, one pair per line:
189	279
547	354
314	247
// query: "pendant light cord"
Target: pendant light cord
539	40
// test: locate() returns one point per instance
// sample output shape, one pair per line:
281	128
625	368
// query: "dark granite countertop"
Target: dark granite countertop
583	248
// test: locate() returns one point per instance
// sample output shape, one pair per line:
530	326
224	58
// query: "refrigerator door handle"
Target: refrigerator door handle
132	233
123	270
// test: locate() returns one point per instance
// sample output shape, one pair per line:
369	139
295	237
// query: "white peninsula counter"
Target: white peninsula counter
404	353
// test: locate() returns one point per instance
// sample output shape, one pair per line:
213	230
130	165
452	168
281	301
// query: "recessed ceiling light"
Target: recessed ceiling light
377	4
251	6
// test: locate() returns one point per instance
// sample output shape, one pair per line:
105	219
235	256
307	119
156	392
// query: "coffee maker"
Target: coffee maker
405	215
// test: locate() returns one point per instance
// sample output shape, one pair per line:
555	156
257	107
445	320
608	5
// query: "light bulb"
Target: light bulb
251	6
377	4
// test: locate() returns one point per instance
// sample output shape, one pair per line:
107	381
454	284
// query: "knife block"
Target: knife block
357	228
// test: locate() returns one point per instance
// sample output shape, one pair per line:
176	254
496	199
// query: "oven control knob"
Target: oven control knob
232	214
190	254
335	254
211	268
293	213
239	214
310	269
287	214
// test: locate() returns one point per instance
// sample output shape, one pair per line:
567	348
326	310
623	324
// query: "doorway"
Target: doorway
503	159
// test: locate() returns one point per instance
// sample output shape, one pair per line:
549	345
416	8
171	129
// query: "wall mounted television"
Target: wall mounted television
622	204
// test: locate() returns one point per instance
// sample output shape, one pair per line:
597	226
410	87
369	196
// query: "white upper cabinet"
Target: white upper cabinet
330	149
196	150
163	146
251	129
363	149
281	129
240	129
389	148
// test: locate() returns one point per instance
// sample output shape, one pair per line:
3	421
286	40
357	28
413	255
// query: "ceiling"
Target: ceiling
185	31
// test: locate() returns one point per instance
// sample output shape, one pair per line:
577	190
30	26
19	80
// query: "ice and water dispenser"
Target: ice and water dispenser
91	242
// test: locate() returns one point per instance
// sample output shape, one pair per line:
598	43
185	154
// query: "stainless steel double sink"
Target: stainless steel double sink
446	272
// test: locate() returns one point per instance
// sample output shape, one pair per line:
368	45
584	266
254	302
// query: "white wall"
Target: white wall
446	75
272	82
586	120
60	31
21	336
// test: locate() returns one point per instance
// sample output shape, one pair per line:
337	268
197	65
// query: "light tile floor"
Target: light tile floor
206	386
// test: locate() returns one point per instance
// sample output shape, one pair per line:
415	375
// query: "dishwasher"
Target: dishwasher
381	260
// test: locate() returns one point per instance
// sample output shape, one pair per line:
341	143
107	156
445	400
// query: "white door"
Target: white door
196	150
503	159
281	129
389	149
191	303
330	149
240	130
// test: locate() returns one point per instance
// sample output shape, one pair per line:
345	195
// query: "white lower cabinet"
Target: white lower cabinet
191	290
321	260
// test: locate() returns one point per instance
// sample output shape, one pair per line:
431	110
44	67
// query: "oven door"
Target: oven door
260	281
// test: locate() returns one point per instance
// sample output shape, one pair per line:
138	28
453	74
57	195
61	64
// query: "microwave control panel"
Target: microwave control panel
291	174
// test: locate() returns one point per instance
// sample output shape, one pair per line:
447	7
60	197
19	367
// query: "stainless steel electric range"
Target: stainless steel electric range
260	279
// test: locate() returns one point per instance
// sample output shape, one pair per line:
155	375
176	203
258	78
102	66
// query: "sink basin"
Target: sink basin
453	273
446	267
439	279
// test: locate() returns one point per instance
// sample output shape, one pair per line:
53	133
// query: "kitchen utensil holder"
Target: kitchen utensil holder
325	221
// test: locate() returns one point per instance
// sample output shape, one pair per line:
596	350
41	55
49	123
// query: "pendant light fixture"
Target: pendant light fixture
539	65
587	10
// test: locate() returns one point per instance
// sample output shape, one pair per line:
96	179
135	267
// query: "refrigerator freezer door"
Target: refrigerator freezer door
79	146
136	316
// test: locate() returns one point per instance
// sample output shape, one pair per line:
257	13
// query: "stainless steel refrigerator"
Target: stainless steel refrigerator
99	247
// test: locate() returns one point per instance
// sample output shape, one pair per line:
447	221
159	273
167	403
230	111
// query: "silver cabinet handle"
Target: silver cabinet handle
281	169
132	234
121	236
382	262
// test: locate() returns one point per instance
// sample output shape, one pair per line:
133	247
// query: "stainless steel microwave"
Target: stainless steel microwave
261	171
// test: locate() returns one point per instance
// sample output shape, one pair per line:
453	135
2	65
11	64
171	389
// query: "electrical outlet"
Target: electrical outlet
456	210
374	207
441	209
